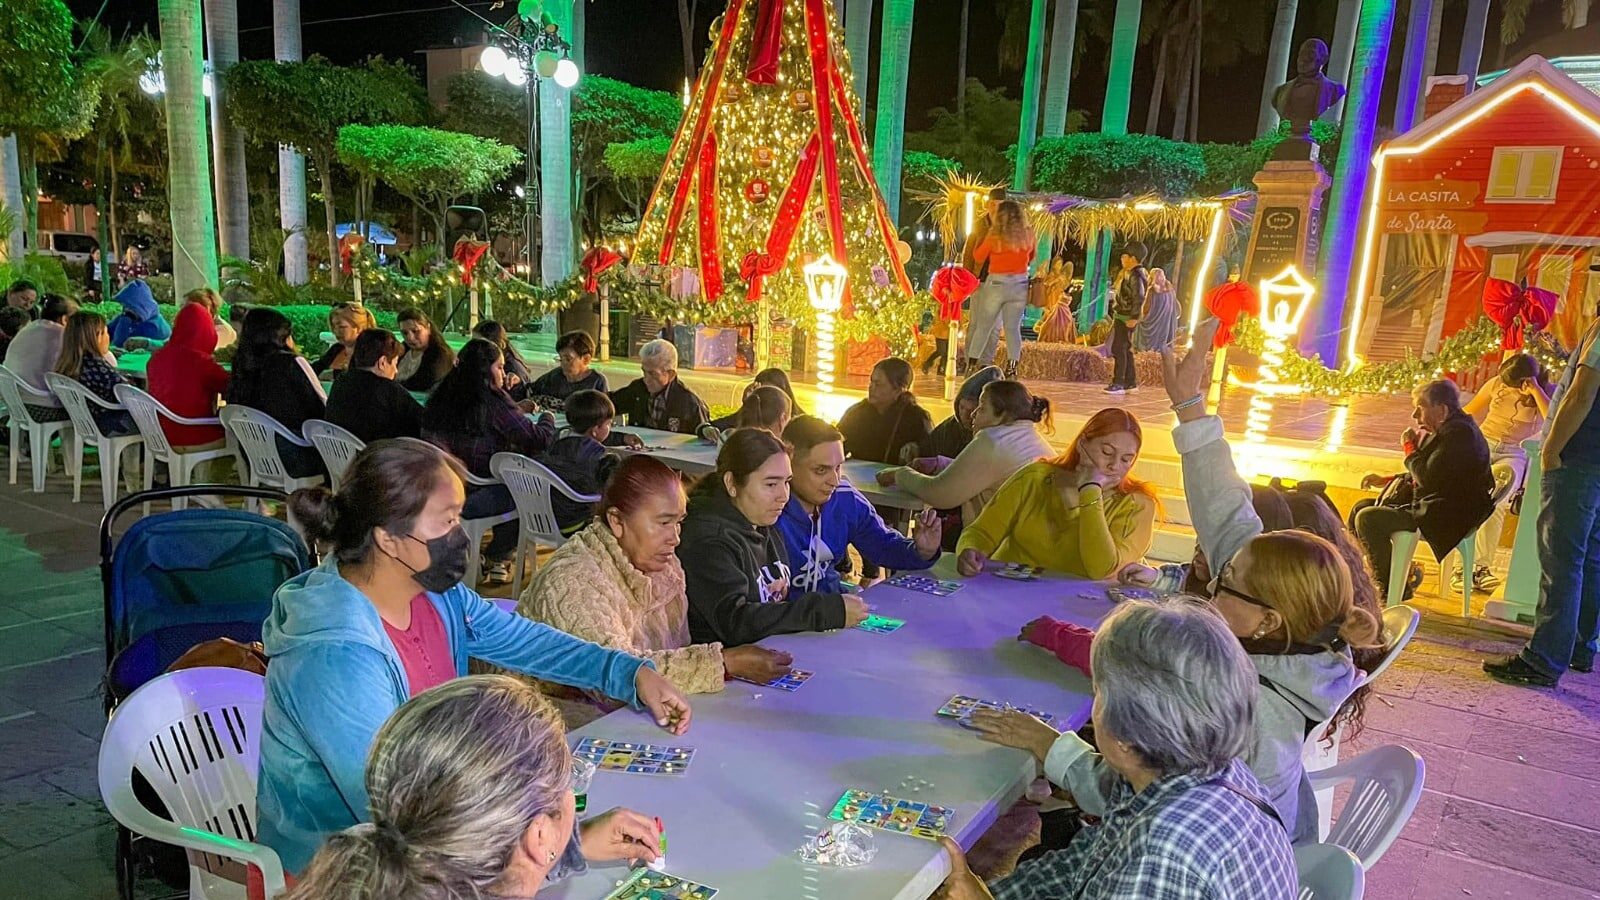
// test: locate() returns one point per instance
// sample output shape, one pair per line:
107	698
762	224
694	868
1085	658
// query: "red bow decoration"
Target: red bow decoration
467	253
951	286
1518	310
594	262
347	249
1227	301
767	42
754	267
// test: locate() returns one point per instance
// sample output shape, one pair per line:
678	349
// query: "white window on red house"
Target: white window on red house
1524	175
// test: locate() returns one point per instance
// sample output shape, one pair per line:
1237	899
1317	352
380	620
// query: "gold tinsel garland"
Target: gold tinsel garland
1461	352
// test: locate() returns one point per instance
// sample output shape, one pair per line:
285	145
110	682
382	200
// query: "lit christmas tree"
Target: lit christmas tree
769	171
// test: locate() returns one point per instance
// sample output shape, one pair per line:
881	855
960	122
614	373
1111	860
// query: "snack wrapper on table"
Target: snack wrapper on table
843	845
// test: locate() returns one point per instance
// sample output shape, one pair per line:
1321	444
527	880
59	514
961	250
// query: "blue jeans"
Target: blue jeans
1569	579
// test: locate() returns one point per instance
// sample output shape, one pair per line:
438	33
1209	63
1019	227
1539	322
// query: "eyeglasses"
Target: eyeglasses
1221	586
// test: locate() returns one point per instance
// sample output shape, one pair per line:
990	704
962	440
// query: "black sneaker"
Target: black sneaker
1586	668
1513	670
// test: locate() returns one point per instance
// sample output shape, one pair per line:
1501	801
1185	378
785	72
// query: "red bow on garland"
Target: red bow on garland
1227	301
467	253
594	262
1518	310
754	268
347	248
951	286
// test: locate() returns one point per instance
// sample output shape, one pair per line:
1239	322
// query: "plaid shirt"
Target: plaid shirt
508	429
1182	838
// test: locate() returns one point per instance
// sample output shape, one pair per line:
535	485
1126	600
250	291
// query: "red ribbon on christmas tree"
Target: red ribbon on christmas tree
952	285
347	248
594	262
762	67
1517	309
467	253
755	267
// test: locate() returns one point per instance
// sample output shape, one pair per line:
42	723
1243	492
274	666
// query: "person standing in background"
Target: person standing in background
1127	305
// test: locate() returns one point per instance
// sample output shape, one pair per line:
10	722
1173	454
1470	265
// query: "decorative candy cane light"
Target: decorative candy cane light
1284	301
825	280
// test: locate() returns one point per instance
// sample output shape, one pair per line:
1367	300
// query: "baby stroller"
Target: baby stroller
174	580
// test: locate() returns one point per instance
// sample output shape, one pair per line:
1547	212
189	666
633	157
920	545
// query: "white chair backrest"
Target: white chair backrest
147	413
1505	481
335	445
1328	873
255	431
1400	621
1386	784
532	485
17	392
75	397
195	736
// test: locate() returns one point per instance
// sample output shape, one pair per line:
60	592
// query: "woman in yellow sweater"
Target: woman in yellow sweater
1080	513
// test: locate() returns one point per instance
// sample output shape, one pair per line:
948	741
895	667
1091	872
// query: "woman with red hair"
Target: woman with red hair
1080	513
618	583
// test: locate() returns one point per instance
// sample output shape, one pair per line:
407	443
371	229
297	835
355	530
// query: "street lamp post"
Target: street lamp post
524	63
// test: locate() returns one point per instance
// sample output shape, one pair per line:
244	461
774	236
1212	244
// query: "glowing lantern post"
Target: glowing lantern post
1284	301
825	280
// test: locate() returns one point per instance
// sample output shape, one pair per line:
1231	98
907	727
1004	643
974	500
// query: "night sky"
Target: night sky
637	41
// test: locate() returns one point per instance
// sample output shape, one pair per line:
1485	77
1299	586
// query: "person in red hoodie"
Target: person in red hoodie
185	377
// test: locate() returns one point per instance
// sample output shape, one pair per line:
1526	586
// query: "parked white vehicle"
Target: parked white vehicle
71	246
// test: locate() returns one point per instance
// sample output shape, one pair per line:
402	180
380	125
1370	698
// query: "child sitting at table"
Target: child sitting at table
580	458
1081	513
826	514
737	570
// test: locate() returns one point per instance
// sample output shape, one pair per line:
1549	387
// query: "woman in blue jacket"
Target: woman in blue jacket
385	618
140	316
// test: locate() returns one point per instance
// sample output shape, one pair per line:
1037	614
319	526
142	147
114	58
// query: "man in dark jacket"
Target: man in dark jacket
659	399
953	435
1451	488
888	426
366	400
1126	307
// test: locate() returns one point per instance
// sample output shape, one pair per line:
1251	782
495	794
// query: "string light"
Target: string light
1284	301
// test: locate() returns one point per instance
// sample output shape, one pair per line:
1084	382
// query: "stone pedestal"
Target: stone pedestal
1288	219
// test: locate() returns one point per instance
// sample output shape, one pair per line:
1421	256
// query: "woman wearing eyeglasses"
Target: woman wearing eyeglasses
1286	595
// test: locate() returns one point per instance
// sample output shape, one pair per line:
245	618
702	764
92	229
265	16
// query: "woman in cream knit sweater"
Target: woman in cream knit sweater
618	583
1005	438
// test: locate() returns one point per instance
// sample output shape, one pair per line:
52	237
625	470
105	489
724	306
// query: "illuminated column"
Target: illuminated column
559	254
825	280
1058	82
291	165
1411	66
889	131
1350	177
1284	301
1028	127
858	45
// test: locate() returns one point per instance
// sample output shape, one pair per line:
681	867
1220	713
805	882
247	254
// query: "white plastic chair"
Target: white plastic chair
335	445
149	413
1400	622
81	403
255	432
1328	873
194	735
1405	548
532	485
477	528
18	394
1387	782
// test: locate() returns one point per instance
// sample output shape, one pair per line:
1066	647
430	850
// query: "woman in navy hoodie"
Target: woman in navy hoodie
383	619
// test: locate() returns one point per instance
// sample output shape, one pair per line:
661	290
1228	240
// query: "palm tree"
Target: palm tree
1058	82
1344	36
961	62
1277	63
889	136
227	142
194	239
291	165
11	199
1411	63
121	122
686	11
1472	34
1028	127
1119	79
558	240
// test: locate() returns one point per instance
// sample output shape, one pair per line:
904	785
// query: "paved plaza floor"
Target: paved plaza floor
1509	811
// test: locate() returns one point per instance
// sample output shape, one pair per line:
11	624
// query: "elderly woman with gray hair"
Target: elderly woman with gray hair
470	788
1174	695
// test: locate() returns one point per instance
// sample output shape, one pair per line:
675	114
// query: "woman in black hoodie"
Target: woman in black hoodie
734	563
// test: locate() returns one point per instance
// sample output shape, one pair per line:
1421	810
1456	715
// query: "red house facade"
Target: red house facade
1503	183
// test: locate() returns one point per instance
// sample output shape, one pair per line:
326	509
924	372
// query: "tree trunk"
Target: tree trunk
1152	116
102	218
227	142
1058	83
961	64
28	177
1575	13
1430	57
194	231
1119	78
1321	334
1194	74
1344	37
291	164
1180	98
858	45
556	210
1472	34
1278	56
1416	48
1033	68
324	163
116	234
11	198
686	37
888	142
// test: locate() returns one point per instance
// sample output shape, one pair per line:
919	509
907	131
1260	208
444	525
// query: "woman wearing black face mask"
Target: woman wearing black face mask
383	619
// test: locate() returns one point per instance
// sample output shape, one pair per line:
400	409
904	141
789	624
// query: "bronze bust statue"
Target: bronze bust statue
1304	98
